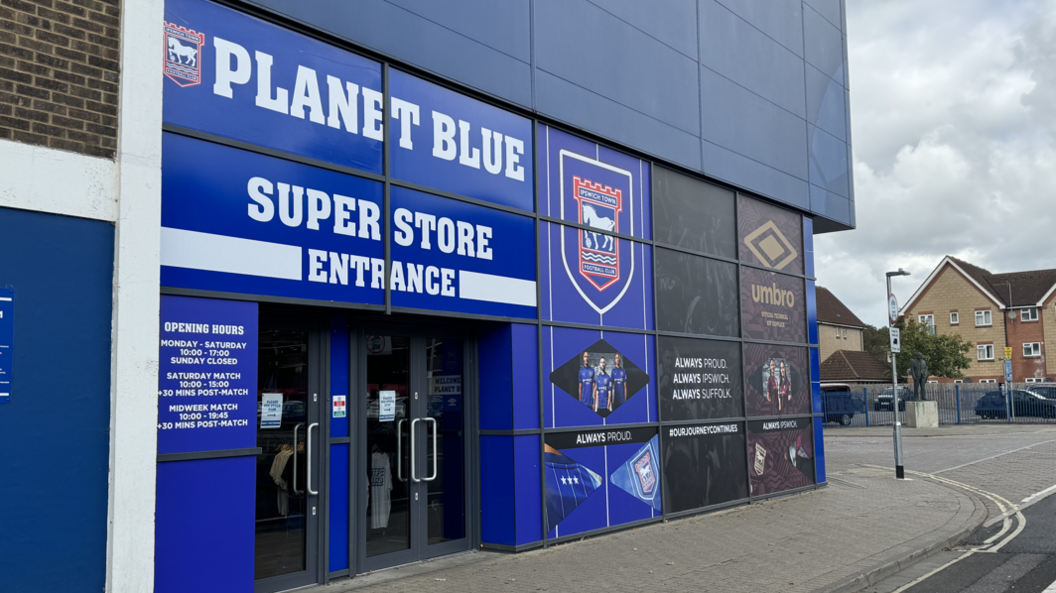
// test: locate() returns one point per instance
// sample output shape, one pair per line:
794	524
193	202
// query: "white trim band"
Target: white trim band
496	289
231	255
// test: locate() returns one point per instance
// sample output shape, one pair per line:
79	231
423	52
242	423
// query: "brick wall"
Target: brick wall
829	343
950	291
1020	332
59	73
1047	316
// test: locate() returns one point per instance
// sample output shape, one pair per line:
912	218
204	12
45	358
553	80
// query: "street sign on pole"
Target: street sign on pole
892	309
896	341
1008	371
1008	352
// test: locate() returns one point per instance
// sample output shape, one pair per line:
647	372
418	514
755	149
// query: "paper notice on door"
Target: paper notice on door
386	406
340	410
271	410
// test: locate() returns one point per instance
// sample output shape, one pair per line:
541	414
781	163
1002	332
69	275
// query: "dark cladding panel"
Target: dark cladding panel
699	379
693	214
770	236
704	465
776	380
773	306
695	295
780	455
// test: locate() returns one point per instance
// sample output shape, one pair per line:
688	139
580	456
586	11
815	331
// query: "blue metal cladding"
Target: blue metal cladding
812	310
339	505
808	246
667	80
498	504
339	376
525	373
219	556
495	376
819	451
529	507
51	453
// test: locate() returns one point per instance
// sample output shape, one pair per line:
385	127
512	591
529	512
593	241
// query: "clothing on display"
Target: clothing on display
380	490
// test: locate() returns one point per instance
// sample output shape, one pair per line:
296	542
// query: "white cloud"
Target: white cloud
953	111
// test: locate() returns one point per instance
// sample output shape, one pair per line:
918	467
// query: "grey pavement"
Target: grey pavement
864	527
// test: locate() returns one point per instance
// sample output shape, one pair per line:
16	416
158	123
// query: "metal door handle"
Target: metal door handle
309	447
432	477
296	427
399	450
414	471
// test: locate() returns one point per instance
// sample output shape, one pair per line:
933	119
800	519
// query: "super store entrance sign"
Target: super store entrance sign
236	221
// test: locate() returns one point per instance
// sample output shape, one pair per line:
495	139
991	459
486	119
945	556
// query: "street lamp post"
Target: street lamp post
900	471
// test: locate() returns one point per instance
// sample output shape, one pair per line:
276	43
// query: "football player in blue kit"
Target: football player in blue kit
619	382
602	388
586	382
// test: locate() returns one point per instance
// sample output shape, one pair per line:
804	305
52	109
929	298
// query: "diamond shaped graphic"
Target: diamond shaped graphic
599	381
771	247
568	485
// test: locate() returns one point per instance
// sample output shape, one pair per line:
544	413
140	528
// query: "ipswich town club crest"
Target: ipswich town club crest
599	196
182	49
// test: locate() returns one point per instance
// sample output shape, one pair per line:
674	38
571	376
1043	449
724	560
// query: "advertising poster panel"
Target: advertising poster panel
699	379
704	465
692	214
776	380
207	378
771	237
773	306
590	276
598	380
601	478
780	455
695	295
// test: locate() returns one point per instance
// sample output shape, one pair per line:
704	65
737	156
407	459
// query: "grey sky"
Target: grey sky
953	117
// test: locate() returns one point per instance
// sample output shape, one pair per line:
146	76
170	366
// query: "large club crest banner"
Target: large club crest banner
591	273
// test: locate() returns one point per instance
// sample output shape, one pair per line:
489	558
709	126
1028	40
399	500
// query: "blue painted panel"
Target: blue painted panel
735	49
831	10
445	140
815	393
7	343
752	175
208	188
812	314
222	554
500	25
739	120
808	246
830	205
581	43
243	64
339	370
525	346
490	274
828	162
404	35
823	45
815	367
826	103
597	113
781	20
529	506
819	452
47	259
496	376
497	493
339	505
207	384
674	25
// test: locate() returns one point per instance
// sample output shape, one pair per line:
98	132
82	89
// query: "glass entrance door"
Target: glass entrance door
288	467
416	449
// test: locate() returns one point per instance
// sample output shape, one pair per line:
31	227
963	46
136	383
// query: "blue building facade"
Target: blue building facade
436	277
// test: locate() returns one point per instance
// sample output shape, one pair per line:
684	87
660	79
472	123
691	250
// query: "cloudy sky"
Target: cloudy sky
953	114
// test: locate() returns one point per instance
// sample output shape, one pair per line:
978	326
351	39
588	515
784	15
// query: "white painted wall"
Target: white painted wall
57	182
134	355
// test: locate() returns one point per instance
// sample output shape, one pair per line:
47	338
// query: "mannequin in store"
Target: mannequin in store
380	488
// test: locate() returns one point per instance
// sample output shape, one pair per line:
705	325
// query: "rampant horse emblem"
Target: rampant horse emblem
644	469
182	48
598	196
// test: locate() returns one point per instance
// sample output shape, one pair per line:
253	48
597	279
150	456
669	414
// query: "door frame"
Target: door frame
417	329
317	525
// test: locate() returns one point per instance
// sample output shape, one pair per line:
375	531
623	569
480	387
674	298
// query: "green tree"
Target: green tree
876	341
946	355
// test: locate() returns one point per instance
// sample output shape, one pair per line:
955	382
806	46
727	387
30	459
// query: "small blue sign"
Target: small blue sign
207	379
7	340
1008	371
